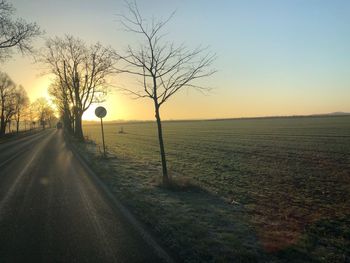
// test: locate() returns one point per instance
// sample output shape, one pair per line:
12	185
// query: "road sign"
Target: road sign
100	112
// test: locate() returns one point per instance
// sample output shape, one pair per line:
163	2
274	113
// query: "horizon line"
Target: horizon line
332	114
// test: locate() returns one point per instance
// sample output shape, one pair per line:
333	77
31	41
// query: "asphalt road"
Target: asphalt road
51	210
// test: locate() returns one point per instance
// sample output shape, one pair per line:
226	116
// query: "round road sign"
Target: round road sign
100	112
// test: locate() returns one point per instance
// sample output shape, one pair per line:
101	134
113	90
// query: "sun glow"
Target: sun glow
89	114
117	109
39	88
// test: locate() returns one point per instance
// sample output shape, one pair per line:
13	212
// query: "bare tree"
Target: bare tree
45	113
51	117
15	32
162	67
21	101
31	116
80	72
7	105
27	115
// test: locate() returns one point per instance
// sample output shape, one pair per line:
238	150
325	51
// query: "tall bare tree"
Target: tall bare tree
15	32
163	68
7	104
80	72
21	101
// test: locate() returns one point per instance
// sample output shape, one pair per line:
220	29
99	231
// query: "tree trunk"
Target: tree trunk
17	124
2	117
78	132
73	124
67	123
161	146
2	126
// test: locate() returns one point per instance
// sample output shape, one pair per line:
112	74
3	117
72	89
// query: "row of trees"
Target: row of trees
13	100
16	107
80	70
80	73
18	34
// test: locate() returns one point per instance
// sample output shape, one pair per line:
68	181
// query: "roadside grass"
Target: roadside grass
193	223
246	191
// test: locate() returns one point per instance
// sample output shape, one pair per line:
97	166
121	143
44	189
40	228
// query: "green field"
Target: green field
291	177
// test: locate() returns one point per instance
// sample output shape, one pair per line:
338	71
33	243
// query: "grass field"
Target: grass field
284	182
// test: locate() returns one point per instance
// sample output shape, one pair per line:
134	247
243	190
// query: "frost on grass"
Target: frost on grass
276	179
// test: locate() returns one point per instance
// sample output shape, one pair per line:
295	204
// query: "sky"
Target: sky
274	57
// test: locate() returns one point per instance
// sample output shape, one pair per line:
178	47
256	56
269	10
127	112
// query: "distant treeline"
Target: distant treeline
15	107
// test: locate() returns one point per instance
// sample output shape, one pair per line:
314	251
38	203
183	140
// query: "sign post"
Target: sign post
101	112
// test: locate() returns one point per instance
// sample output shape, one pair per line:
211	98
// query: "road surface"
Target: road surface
51	210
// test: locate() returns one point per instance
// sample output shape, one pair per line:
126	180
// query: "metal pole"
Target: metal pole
103	139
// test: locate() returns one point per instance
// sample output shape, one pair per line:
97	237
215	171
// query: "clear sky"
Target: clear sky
274	57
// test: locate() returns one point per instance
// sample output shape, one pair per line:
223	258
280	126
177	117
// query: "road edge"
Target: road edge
146	236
